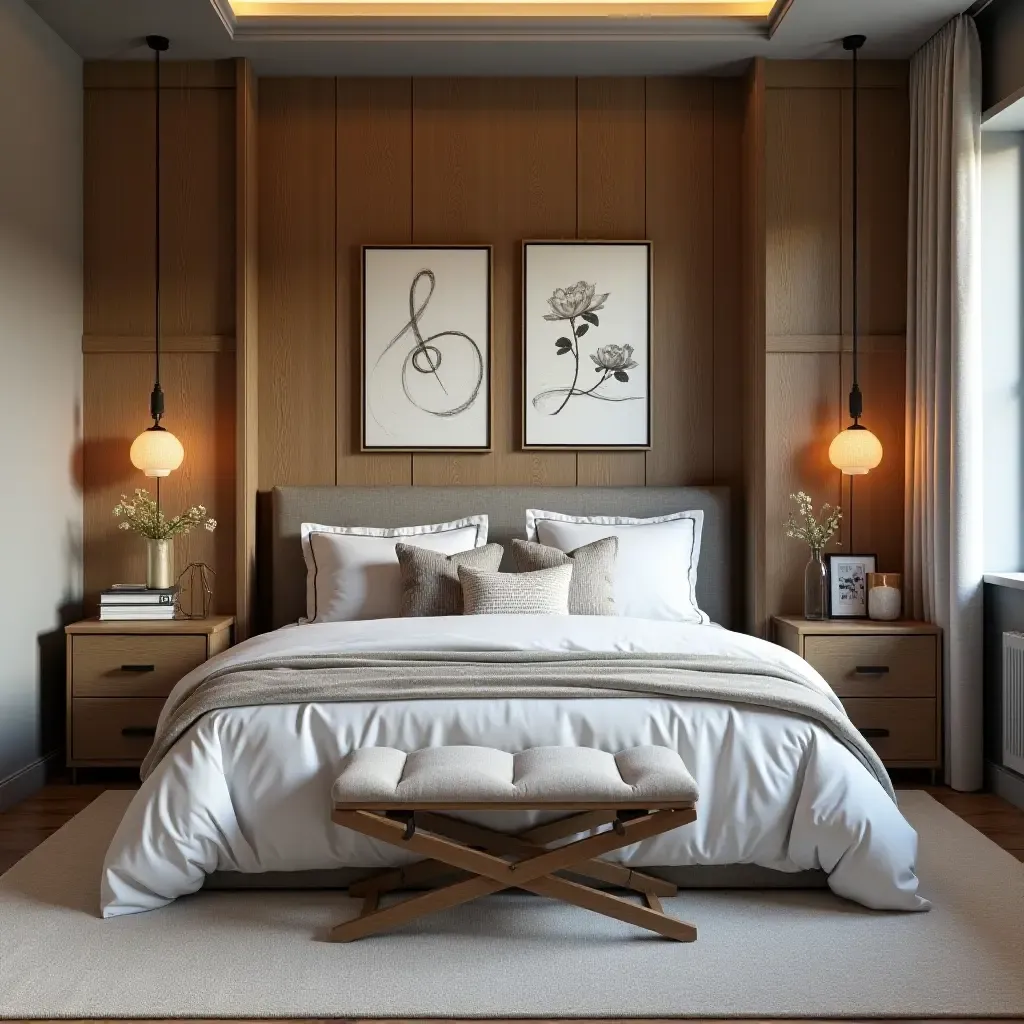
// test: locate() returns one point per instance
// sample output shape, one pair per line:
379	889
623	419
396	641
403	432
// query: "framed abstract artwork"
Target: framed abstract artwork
848	585
587	345
426	348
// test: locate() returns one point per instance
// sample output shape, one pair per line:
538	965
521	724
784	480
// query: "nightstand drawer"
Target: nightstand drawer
113	729
132	666
875	666
900	730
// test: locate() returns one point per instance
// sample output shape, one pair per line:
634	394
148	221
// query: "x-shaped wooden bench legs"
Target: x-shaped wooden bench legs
535	872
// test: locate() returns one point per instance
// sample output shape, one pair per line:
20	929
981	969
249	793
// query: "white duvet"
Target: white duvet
248	789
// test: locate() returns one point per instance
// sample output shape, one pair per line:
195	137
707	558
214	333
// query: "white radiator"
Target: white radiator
1013	701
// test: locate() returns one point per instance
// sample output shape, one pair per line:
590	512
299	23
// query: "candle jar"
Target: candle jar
884	596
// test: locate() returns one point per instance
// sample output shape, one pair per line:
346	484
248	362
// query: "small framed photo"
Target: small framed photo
587	345
426	348
848	585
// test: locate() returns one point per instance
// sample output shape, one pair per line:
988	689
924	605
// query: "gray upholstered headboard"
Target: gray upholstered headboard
506	507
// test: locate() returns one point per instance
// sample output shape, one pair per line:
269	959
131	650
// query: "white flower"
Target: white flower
577	299
615	358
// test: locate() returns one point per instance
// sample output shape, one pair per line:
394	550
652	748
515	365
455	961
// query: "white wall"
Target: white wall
1002	258
40	384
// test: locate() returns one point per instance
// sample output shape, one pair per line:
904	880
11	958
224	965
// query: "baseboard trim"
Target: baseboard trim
1005	783
23	783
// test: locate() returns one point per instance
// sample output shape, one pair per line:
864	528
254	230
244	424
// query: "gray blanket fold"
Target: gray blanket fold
498	675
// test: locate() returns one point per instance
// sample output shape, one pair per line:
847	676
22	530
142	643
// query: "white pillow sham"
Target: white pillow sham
656	568
352	571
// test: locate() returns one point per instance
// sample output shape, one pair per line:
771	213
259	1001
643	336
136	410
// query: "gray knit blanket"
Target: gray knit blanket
335	678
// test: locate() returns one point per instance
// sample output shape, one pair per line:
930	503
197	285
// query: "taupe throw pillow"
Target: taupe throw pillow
592	591
430	580
545	592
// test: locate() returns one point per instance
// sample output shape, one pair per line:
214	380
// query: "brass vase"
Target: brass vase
159	563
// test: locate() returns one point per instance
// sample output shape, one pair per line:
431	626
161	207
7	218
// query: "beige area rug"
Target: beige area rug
760	954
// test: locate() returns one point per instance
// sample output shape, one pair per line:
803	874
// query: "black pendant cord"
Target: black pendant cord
854	43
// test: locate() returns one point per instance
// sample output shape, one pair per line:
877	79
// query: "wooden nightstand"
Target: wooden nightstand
888	676
118	676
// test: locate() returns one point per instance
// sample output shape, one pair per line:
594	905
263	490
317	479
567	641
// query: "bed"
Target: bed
252	741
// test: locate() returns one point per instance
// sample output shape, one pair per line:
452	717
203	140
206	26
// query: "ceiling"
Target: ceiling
525	45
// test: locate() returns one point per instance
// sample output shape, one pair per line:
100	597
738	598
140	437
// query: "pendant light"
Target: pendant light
855	450
156	451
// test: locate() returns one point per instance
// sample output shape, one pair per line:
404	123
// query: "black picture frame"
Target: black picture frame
528	440
836	583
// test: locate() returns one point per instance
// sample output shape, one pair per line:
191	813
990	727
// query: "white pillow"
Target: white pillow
656	568
352	571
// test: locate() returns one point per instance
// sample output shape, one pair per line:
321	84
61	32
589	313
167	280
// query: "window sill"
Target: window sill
1013	580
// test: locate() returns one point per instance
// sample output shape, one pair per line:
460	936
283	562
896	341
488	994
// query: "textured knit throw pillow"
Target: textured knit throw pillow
592	591
430	579
545	592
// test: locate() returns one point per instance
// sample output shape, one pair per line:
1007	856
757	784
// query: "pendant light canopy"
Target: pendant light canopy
156	451
855	450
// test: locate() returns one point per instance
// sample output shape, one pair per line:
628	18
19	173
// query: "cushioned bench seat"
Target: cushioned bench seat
573	777
397	798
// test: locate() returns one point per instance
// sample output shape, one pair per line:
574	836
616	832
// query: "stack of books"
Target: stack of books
126	601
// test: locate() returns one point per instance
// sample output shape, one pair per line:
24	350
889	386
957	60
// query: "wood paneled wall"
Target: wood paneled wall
344	162
742	184
197	307
809	303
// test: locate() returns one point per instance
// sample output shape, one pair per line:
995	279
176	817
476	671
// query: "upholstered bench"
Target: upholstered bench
406	799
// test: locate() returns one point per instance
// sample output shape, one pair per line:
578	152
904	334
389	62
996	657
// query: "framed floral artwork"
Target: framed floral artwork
587	345
848	585
426	351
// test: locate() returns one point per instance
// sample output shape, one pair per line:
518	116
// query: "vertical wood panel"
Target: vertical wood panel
801	417
374	138
728	351
118	224
878	497
246	346
804	211
611	200
494	160
297	280
200	411
752	298
197	188
884	164
680	223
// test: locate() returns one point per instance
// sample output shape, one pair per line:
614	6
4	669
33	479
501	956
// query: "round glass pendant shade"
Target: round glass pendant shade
855	451
157	452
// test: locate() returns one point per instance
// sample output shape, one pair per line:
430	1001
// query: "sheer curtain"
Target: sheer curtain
944	514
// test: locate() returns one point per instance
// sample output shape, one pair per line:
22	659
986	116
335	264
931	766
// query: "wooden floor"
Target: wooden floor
26	825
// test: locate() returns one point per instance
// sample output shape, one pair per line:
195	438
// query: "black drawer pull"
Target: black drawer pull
874	734
138	668
871	670
136	731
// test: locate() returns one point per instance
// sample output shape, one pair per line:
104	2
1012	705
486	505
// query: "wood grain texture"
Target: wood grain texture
97	724
752	299
728	340
174	74
803	183
883	162
246	350
801	416
611	203
680	223
835	74
118	212
200	398
297	280
494	161
124	343
197	188
911	725
98	664
374	206
911	664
